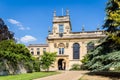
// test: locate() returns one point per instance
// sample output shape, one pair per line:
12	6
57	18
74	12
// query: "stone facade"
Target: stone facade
70	46
38	49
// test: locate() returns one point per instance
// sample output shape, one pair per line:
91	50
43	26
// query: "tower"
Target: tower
61	24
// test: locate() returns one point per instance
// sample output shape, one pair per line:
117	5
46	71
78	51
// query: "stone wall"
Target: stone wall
7	68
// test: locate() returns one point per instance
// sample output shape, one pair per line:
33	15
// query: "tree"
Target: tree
36	64
47	59
112	22
14	54
107	54
5	34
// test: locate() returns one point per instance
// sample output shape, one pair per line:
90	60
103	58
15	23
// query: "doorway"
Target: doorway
61	64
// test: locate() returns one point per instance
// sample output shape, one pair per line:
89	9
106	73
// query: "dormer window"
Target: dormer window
61	30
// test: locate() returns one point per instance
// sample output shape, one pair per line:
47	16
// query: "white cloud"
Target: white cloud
17	39
27	38
19	24
12	21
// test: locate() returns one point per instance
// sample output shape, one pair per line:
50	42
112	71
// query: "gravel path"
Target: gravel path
65	75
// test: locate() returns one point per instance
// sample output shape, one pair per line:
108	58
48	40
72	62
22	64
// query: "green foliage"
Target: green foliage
112	22
90	43
98	61
5	34
13	54
90	46
36	65
75	67
28	76
85	59
29	67
47	59
117	68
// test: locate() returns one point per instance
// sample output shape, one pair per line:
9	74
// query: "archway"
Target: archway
61	64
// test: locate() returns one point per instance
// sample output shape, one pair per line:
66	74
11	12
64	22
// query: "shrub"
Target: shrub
47	59
36	66
75	67
29	67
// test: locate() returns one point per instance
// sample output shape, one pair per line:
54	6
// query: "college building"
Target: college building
70	46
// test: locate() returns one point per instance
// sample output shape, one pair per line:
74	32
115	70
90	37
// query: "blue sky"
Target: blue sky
30	19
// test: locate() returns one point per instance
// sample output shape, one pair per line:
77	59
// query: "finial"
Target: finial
67	12
83	28
49	29
98	27
54	13
62	11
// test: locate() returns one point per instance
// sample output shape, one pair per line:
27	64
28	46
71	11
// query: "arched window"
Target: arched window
32	53
38	52
90	46
76	50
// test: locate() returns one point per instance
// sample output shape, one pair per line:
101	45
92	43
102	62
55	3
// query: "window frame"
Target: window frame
90	47
37	52
61	28
61	51
38	49
32	52
31	48
76	51
44	49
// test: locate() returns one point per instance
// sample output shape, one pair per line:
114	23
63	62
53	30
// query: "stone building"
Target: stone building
70	46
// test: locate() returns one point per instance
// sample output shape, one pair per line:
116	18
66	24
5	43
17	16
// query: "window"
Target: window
44	49
90	46
38	49
38	52
61	50
32	49
76	51
32	53
61	30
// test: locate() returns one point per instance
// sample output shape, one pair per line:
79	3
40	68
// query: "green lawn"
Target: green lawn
28	76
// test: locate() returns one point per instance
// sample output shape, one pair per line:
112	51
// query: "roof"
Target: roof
88	31
38	45
79	35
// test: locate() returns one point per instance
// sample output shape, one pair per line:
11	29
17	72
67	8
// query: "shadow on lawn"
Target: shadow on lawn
112	75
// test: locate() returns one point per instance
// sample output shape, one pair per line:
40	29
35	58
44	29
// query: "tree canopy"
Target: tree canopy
5	34
13	52
107	54
112	22
47	59
13	55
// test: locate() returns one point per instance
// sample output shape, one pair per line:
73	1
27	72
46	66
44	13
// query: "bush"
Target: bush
117	68
36	66
29	67
47	59
75	67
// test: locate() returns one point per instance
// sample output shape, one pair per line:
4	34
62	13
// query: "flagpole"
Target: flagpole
62	11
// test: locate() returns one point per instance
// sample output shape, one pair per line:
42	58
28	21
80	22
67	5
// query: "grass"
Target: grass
28	76
82	77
